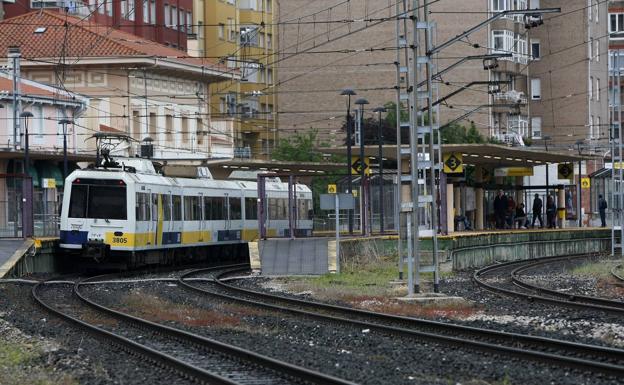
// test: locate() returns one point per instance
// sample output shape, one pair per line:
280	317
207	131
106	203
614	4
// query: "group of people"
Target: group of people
508	215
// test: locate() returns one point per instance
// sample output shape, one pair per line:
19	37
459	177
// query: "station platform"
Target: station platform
12	251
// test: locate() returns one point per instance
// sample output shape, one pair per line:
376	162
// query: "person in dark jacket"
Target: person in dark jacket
500	209
551	213
537	211
602	208
521	218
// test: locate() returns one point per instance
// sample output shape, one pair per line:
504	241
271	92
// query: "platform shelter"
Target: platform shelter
486	168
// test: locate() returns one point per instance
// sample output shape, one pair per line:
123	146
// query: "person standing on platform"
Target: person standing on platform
537	211
602	208
510	212
500	208
551	213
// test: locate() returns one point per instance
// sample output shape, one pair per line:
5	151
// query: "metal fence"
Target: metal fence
16	192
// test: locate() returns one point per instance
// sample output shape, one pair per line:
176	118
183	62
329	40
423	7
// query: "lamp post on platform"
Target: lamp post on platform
546	138
361	102
579	188
349	92
379	111
65	122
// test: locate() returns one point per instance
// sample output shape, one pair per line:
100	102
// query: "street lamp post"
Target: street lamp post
361	102
27	185
26	115
379	111
65	122
349	92
546	138
579	188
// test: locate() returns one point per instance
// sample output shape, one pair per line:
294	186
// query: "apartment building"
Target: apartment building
569	73
616	55
515	105
242	34
135	86
169	22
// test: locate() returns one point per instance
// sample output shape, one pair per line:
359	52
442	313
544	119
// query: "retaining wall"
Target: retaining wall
469	250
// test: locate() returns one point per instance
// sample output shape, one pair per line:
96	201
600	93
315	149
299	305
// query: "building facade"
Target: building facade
135	86
242	34
537	91
169	22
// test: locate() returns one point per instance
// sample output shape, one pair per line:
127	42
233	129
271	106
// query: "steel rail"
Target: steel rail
477	276
512	339
127	344
586	300
299	373
615	274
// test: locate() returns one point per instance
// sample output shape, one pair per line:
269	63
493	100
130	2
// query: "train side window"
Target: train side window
235	209
208	202
251	208
177	208
273	208
192	209
218	209
142	207
78	201
166	202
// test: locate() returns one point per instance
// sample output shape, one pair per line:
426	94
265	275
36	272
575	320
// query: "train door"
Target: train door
202	222
236	217
154	218
228	222
150	215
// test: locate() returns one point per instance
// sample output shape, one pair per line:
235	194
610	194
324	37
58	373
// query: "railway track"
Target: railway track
575	355
541	294
190	355
616	275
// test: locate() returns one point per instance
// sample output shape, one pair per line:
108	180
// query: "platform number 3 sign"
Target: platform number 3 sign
453	163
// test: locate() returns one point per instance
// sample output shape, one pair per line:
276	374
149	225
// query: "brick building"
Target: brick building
168	22
556	75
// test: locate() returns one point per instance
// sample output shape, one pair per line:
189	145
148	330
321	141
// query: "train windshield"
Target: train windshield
97	201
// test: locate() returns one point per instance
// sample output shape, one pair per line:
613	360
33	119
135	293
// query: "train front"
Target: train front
94	217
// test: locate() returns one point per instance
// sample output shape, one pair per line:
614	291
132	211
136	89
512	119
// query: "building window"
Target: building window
146	12
101	6
269	6
221	31
153	12
232	30
200	29
131	10
269	41
591	126
534	4
597	47
124	9
536	49
167	16
591	88
174	17
598	128
596	11
502	41
590	48
616	22
536	127
536	89
189	23
597	89
499	5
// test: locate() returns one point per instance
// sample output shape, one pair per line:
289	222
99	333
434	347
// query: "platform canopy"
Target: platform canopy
490	155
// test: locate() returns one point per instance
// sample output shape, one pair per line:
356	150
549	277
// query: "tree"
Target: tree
298	148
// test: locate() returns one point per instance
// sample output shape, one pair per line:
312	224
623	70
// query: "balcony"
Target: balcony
242	152
77	8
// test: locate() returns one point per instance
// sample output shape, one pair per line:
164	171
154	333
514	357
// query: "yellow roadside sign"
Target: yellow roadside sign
453	163
513	171
585	183
332	189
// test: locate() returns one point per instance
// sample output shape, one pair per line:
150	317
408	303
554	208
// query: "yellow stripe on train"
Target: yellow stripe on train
132	240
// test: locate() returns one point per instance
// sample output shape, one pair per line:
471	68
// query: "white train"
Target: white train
134	215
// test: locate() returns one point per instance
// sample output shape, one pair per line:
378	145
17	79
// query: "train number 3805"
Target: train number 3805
120	240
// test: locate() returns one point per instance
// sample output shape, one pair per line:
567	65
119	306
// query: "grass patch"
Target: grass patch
601	269
157	309
18	365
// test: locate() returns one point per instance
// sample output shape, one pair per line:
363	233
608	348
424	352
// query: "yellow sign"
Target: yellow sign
332	189
453	163
585	183
48	183
513	171
565	171
357	164
355	193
